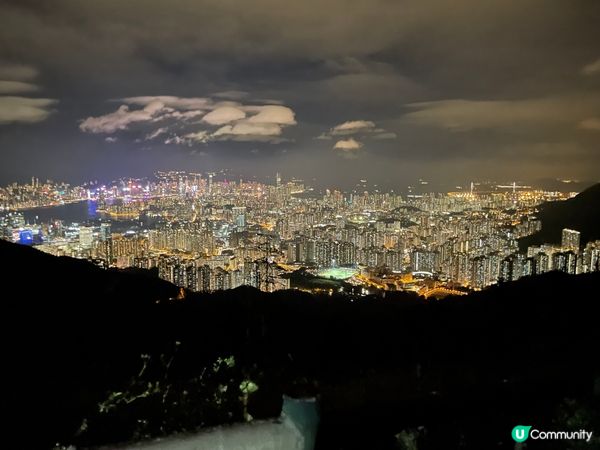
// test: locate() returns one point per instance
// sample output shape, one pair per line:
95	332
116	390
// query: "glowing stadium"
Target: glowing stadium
338	273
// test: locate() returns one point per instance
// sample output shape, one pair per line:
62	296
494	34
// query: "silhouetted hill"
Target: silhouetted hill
65	336
581	213
553	184
97	357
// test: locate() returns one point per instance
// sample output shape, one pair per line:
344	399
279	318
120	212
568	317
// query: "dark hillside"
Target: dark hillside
111	351
581	213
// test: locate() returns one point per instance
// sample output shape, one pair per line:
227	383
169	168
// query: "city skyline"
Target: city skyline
387	91
202	233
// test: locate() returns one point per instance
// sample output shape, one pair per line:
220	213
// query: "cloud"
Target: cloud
17	87
348	148
122	118
591	68
223	115
15	109
361	128
384	136
231	95
225	120
372	89
461	115
273	114
265	124
353	127
243	131
155	133
367	63
178	115
111	139
24	110
179	140
200	136
17	72
248	131
347	144
592	123
270	101
185	103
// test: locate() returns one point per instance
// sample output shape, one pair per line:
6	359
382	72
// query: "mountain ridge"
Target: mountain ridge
580	213
79	350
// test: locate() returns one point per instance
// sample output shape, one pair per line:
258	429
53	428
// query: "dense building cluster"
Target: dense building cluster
208	235
20	196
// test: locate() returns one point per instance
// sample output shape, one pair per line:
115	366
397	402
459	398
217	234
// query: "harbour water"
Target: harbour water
84	212
78	212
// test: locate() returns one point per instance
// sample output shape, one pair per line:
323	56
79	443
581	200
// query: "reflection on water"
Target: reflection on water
80	212
91	208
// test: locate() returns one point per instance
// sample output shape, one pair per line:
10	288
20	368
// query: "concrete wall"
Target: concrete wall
295	429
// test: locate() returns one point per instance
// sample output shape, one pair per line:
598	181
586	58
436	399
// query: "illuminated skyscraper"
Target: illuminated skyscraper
478	272
423	260
565	262
570	240
595	260
591	257
239	215
86	237
542	263
104	232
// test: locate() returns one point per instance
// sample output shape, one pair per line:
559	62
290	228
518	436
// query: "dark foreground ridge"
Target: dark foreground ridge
581	213
97	357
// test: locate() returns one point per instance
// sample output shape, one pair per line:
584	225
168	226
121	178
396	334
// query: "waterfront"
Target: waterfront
83	212
77	212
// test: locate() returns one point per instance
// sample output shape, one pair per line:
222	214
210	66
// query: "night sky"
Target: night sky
337	90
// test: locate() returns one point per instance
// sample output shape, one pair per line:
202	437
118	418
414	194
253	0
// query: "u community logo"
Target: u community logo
521	433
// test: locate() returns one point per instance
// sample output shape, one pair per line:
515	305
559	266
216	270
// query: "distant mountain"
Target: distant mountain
581	213
97	357
554	184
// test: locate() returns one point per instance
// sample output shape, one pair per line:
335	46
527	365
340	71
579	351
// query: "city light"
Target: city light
205	234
